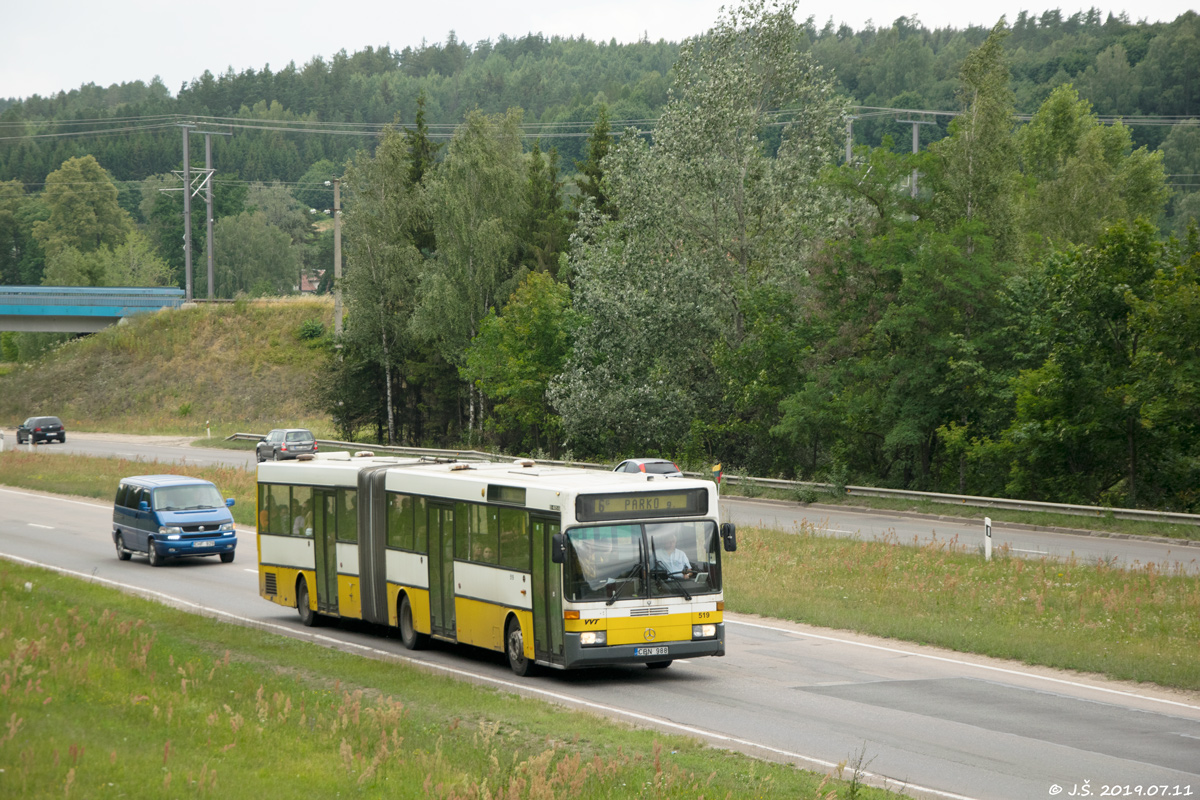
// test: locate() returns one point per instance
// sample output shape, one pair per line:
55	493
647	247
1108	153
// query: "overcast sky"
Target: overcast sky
53	45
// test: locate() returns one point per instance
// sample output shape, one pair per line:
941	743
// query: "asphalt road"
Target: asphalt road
1168	557
932	723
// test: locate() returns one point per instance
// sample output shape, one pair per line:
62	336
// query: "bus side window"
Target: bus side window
514	538
301	513
420	525
347	515
400	522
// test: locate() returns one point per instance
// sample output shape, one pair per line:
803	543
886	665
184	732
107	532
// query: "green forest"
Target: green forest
723	249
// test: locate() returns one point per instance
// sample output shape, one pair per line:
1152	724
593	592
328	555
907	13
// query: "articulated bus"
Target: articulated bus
554	566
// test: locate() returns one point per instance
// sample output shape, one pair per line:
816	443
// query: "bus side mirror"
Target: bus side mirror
558	548
729	536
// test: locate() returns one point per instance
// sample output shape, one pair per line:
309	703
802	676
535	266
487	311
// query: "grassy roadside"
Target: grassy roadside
109	695
1140	625
1132	624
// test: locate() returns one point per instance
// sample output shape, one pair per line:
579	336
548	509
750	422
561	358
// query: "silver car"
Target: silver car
284	443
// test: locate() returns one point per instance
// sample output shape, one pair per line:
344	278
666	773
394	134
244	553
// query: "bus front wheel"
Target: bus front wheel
515	648
408	630
308	617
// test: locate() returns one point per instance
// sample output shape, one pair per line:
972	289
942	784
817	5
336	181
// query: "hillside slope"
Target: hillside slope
248	365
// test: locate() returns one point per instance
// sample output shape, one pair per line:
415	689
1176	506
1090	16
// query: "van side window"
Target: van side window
122	491
134	498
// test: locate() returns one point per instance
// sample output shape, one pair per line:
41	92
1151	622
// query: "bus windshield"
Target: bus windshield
653	559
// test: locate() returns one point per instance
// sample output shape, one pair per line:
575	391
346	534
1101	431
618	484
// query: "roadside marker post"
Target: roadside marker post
987	538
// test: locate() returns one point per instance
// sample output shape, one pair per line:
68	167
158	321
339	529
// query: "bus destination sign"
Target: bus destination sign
641	505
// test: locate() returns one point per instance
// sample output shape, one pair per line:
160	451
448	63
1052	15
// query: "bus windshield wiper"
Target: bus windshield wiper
617	593
660	573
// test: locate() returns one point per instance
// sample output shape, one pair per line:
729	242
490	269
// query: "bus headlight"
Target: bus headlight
593	638
704	631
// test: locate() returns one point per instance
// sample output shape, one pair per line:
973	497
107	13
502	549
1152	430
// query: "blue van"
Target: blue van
171	516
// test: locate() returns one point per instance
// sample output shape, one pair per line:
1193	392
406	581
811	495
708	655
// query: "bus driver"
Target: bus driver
672	559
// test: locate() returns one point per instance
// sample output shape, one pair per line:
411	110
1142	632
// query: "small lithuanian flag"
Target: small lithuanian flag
716	470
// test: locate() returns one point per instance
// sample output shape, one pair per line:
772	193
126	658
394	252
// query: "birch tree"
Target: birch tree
382	264
709	214
477	202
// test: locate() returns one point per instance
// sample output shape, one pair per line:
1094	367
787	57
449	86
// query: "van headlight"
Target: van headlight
170	531
593	638
226	528
704	631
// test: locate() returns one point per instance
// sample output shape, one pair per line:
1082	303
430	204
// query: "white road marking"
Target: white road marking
959	662
35	525
57	498
652	721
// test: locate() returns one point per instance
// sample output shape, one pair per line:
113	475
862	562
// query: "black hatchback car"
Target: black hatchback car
41	429
285	443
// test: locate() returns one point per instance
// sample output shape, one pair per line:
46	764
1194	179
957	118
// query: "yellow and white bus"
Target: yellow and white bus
561	567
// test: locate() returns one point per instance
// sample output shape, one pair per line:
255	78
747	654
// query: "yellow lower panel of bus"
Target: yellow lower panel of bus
418	599
482	624
637	630
349	601
285	585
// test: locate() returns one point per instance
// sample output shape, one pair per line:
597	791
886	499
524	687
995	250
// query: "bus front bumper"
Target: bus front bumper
576	655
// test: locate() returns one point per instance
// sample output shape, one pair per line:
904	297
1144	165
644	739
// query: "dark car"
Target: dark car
285	443
41	429
654	466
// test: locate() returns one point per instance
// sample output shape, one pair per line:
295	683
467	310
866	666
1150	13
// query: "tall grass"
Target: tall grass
1137	624
107	695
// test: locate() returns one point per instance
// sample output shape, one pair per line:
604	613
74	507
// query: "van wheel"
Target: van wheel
408	631
227	558
155	559
308	617
515	648
122	553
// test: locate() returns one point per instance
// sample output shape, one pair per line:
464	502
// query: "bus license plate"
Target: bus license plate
650	651
202	544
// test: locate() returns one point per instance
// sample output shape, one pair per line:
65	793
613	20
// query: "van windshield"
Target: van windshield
187	498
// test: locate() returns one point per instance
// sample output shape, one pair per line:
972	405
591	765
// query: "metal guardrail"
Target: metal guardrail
777	483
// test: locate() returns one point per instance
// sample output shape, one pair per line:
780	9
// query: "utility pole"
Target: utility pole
208	167
916	147
203	181
849	138
187	216
337	258
209	172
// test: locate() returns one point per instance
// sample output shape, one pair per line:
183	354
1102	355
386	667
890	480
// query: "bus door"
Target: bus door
325	545
547	592
441	570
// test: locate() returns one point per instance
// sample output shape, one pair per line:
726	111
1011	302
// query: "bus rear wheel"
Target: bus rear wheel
514	646
308	617
408	630
658	664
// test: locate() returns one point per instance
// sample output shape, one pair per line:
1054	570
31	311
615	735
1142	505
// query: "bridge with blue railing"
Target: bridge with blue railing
78	309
